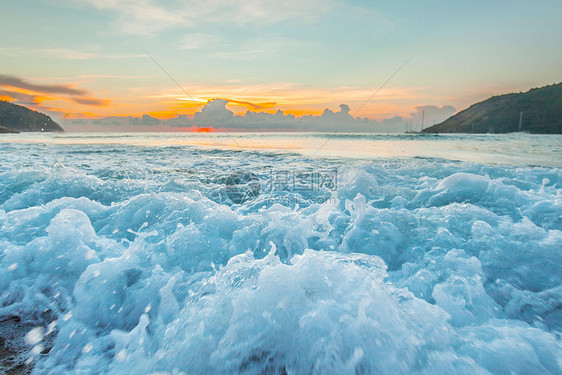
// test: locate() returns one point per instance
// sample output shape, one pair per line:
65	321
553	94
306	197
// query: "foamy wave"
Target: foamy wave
413	266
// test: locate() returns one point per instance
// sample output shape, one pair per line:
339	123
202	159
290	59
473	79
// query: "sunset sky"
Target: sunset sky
89	59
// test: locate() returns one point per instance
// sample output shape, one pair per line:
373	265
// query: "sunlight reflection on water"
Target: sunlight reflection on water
505	149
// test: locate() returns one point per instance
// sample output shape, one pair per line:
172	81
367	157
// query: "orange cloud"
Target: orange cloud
91	101
250	105
19	90
16	82
189	107
180	108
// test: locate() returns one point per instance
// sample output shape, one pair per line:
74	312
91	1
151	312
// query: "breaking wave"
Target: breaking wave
406	266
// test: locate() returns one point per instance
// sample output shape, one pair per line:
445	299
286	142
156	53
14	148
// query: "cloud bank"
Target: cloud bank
215	115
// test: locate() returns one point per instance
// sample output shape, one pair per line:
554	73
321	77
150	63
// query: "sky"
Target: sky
271	65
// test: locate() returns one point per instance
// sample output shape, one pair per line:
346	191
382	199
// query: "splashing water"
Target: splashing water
135	258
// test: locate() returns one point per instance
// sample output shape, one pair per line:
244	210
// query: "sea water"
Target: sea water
283	253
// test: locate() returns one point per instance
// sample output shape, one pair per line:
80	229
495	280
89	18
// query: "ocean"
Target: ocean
281	253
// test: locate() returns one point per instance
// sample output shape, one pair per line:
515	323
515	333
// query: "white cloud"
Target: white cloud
140	16
149	16
198	41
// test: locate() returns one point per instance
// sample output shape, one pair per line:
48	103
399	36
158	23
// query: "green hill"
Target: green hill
21	119
541	107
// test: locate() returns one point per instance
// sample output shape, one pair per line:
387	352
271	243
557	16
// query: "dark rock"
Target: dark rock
16	118
15	353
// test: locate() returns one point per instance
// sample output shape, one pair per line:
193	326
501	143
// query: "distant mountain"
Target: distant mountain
541	107
21	119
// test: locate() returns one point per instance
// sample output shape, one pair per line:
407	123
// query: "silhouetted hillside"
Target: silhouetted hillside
541	107
21	119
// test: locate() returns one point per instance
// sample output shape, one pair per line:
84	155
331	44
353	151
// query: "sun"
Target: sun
203	130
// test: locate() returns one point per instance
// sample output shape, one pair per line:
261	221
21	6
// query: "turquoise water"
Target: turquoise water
284	253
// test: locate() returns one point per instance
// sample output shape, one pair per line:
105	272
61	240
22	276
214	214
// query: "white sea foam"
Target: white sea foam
412	266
